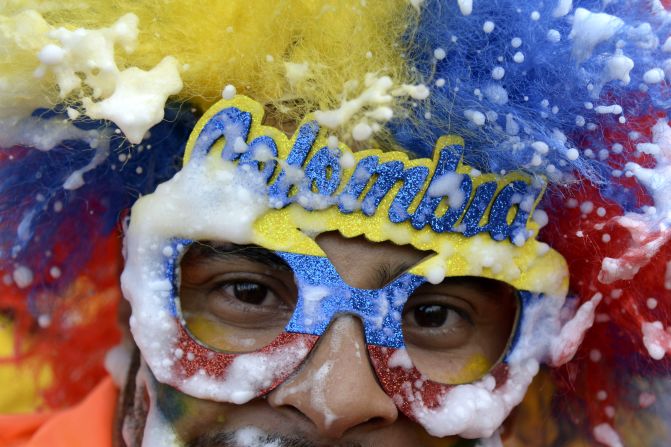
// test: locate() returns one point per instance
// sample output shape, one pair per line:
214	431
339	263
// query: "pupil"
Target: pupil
250	292
430	315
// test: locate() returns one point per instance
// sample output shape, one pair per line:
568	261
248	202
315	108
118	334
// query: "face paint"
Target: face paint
244	183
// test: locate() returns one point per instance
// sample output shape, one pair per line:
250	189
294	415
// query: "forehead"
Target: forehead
309	184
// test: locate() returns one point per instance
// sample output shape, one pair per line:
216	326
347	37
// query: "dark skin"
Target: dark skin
334	398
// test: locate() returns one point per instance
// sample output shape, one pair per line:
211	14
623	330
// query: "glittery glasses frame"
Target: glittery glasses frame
380	311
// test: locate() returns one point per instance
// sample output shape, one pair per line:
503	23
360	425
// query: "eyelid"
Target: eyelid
287	294
230	263
417	296
232	253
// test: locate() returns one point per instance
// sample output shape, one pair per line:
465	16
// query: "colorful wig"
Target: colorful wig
99	97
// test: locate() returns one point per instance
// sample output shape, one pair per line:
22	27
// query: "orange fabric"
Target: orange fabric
87	424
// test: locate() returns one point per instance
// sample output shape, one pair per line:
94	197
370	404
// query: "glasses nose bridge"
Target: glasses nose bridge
323	295
379	310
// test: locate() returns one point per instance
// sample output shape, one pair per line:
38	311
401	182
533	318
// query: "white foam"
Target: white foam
542	336
553	36
644	227
246	376
133	98
590	29
563	8
417	4
138	99
655	339
157	429
496	94
474	116
605	434
253	437
400	359
614	109
22	276
448	185
374	102
618	67
492	441
666	46
117	362
296	72
498	73
76	179
228	92
460	410
465	6
45	134
566	344
653	76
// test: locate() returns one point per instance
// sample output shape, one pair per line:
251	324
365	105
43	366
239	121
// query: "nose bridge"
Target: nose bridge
323	296
336	388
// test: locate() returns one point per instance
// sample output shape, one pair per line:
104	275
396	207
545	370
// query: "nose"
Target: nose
336	388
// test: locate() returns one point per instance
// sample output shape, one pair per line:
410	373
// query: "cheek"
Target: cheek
188	416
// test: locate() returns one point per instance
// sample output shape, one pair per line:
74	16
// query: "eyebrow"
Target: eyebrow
210	251
200	252
485	287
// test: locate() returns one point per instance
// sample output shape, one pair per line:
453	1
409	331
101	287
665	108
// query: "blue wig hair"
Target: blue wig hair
72	195
532	84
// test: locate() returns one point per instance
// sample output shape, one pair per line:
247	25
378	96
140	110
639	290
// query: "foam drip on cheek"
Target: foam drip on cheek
315	383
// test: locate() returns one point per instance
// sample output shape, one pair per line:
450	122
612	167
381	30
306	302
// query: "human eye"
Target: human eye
248	292
249	297
457	331
436	321
233	298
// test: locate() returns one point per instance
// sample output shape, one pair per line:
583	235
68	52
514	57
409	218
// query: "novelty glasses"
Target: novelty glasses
233	302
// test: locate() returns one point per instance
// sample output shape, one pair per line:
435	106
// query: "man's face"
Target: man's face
239	297
336	297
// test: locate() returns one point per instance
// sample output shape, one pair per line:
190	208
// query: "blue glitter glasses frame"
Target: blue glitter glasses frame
380	310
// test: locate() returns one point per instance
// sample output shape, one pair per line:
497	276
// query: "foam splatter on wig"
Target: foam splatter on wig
575	91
